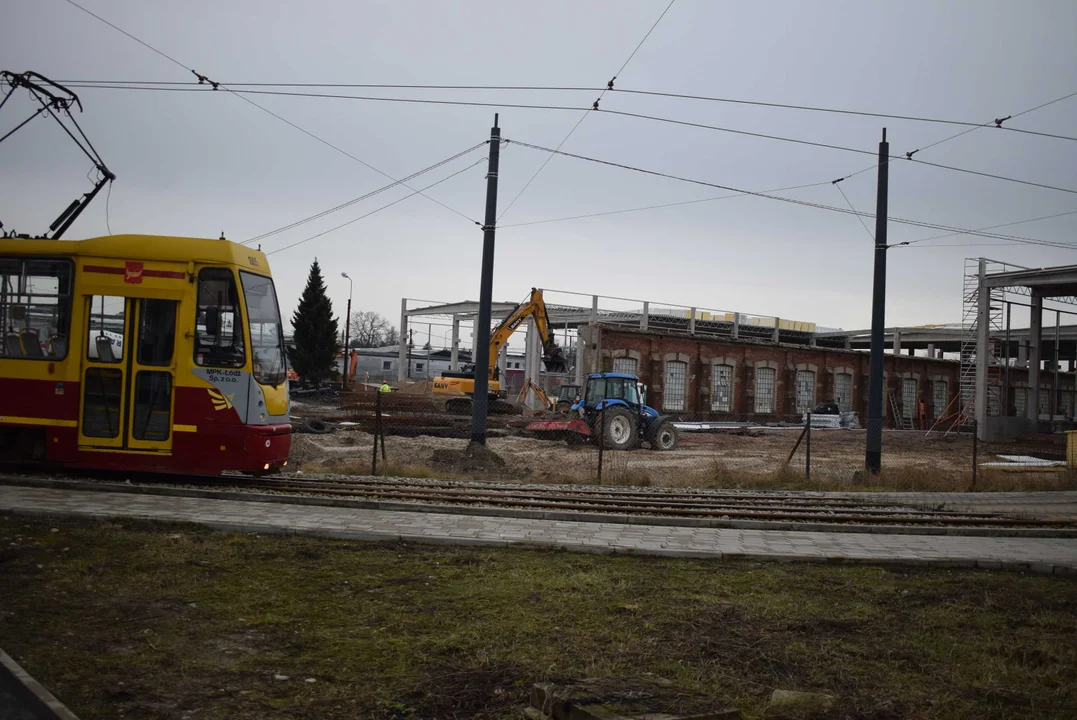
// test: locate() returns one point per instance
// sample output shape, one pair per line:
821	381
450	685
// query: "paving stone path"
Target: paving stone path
1040	555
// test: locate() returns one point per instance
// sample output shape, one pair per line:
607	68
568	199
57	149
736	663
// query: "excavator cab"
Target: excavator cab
567	396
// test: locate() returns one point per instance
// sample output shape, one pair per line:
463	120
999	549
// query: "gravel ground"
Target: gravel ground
912	460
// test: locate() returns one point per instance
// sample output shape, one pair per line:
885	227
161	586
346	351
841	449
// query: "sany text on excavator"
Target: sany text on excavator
460	386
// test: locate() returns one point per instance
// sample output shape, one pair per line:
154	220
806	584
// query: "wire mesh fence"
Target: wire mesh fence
412	434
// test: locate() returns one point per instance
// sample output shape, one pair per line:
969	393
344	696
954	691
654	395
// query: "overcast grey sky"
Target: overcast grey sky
197	164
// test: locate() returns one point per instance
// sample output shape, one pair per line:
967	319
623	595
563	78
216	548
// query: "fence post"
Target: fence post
377	427
381	433
807	448
601	439
975	451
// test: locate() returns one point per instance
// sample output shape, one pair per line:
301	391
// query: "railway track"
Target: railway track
780	510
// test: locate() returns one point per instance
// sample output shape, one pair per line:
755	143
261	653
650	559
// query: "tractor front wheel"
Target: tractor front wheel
665	438
618	428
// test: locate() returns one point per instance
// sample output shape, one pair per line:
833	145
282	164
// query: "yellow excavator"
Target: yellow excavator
460	386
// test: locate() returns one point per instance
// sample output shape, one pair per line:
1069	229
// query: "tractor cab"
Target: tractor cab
615	404
611	388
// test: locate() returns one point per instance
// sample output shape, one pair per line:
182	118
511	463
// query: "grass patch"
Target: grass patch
161	621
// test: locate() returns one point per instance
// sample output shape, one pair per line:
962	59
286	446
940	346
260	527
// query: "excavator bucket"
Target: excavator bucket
555	361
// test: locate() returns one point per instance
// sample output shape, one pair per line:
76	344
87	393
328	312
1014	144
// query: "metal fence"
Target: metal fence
410	434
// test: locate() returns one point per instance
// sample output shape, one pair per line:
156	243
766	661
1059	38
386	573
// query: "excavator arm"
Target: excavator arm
545	399
534	307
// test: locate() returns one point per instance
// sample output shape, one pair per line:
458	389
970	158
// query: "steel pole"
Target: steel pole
1006	368
347	339
1057	357
480	396
874	452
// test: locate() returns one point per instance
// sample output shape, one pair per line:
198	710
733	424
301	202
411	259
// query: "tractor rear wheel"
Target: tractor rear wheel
618	428
665	437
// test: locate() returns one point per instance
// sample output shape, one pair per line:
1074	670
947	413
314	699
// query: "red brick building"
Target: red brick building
716	378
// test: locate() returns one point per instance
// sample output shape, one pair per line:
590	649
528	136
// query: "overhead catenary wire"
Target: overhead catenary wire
769	196
601	95
654	118
657	207
907	156
216	85
577	88
837	184
998	122
975	126
965	245
862	113
413	193
365	196
989	227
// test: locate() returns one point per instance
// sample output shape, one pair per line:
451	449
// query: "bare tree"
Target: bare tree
369	329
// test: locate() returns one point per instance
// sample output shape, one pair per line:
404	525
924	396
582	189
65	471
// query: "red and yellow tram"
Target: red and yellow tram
141	353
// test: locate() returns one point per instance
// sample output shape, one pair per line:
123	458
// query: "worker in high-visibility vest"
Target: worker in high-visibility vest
385	387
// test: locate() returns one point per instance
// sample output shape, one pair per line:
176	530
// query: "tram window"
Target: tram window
266	339
218	325
153	404
35	308
106	327
101	402
156	331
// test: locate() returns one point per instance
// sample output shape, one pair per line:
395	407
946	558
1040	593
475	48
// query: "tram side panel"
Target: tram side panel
39	373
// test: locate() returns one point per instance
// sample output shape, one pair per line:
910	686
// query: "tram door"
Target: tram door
129	374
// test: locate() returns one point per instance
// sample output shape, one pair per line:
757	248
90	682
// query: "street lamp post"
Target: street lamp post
347	331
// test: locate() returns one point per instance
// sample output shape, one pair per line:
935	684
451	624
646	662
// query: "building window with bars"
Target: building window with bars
805	391
940	398
1044	397
625	365
764	390
721	388
1064	403
843	391
673	392
1020	401
908	398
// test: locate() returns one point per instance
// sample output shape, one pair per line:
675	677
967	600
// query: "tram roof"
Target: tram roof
160	248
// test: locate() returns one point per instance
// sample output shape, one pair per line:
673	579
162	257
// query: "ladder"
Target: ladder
900	421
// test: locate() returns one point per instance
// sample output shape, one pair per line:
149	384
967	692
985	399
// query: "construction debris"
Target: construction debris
1020	462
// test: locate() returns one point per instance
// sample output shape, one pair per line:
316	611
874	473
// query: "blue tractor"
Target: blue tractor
616	405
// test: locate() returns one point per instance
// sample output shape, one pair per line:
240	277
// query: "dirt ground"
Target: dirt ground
911	460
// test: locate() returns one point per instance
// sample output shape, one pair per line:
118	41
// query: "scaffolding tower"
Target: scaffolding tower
982	323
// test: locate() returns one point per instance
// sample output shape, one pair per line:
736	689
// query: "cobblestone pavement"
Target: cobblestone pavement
1042	555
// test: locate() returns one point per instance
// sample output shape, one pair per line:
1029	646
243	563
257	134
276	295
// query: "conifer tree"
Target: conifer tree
314	330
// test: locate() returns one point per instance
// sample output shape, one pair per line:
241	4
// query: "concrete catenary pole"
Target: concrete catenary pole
874	451
486	291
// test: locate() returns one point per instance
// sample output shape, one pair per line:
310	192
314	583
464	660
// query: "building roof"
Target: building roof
1053	282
